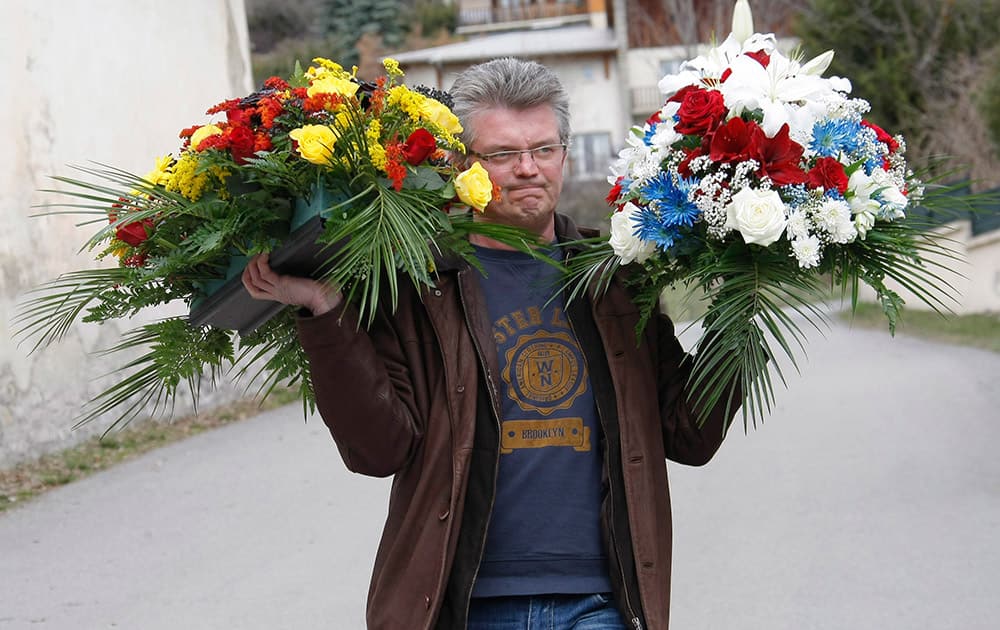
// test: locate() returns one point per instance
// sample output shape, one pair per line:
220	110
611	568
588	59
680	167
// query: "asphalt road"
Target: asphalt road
869	499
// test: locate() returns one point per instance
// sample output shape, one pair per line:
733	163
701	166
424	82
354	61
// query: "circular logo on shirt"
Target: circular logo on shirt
544	373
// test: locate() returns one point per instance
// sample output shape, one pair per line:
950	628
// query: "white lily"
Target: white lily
742	21
779	90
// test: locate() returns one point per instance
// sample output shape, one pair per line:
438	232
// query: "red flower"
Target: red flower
733	141
419	146
654	118
615	192
762	57
241	142
275	83
135	260
134	233
828	174
882	135
779	157
394	168
684	167
701	111
232	103
269	109
262	142
214	141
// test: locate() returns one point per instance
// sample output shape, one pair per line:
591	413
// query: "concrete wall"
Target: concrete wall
110	81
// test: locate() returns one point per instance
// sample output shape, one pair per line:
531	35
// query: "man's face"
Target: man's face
529	186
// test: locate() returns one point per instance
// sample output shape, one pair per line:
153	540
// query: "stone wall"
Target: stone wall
110	81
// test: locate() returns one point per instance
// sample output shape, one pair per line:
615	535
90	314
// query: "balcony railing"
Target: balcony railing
646	100
499	15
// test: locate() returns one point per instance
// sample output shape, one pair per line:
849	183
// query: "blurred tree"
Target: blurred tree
924	65
270	22
346	21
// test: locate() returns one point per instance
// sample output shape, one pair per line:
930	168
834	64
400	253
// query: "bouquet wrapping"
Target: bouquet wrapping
759	182
345	180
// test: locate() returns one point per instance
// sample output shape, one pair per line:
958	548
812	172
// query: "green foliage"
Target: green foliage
345	21
989	101
757	298
434	16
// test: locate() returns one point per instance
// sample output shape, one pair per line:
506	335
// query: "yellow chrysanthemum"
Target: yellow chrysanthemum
375	149
186	179
160	175
392	67
427	111
325	67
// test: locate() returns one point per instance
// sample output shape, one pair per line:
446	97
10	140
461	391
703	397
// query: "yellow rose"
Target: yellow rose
474	187
203	132
315	143
439	114
332	85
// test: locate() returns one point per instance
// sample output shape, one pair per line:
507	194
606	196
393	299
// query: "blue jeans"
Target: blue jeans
545	612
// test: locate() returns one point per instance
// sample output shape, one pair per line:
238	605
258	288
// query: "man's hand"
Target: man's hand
263	283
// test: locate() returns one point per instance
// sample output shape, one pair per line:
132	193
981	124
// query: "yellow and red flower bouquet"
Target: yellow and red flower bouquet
350	178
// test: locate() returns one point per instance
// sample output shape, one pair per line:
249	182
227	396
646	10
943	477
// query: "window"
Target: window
590	155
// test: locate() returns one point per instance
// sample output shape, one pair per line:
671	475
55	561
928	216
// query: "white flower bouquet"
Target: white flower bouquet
759	182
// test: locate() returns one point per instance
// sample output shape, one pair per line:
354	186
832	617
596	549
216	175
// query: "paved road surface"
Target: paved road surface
870	499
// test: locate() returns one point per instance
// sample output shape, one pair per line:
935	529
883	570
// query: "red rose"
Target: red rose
828	174
655	118
701	111
732	142
134	233
419	146
779	157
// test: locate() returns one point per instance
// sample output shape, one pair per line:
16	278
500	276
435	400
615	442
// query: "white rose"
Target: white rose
759	215
623	240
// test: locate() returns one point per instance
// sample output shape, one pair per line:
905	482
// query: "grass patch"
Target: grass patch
31	478
978	330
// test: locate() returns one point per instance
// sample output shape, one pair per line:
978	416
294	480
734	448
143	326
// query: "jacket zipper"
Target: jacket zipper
634	618
496	460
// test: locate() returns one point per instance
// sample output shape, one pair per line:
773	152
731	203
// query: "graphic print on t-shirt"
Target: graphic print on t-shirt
543	373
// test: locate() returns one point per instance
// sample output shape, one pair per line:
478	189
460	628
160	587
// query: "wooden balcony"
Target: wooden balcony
497	16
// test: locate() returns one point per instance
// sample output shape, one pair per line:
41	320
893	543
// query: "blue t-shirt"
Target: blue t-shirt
544	534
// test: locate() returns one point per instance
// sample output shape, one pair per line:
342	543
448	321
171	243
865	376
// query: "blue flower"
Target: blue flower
670	199
830	137
647	138
650	227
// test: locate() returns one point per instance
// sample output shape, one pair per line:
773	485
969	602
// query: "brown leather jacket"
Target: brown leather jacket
408	399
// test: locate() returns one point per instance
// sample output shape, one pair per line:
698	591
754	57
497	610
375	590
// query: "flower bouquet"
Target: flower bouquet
349	179
759	182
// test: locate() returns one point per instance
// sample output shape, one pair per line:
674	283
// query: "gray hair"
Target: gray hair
509	83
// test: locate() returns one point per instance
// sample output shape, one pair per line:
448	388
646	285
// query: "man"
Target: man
527	437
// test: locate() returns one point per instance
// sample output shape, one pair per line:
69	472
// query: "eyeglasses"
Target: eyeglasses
545	155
